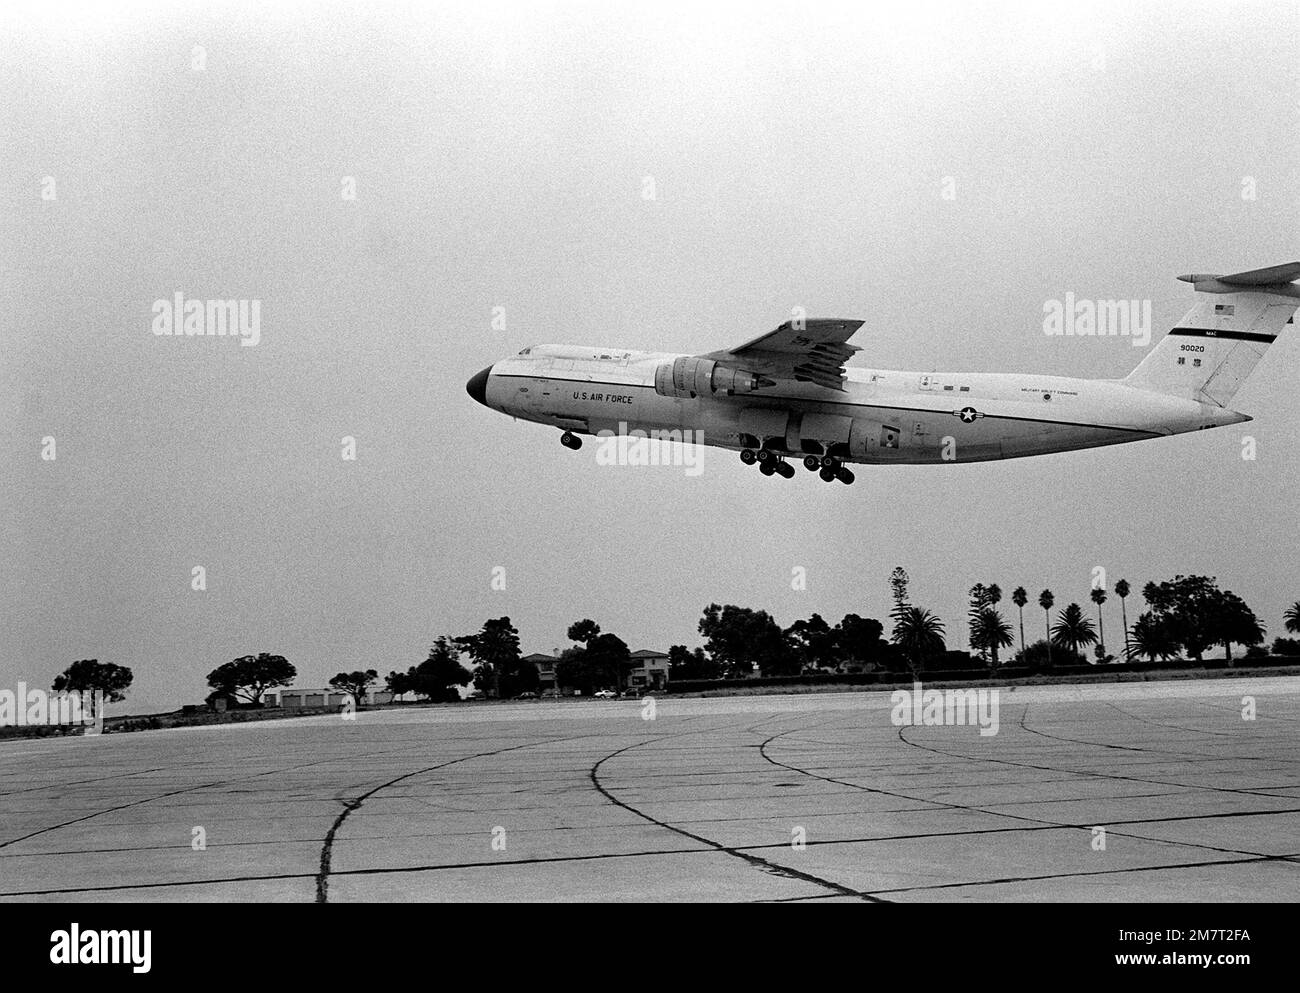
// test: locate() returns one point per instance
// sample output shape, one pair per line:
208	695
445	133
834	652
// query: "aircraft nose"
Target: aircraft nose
477	385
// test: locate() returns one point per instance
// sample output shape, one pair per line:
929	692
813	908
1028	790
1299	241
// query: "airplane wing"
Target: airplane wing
808	351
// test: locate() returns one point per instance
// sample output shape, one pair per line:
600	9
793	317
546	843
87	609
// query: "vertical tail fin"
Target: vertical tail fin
1212	350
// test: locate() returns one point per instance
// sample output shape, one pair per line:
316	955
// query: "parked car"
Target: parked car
527	695
605	694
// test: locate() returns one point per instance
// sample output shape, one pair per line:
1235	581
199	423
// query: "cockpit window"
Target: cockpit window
527	350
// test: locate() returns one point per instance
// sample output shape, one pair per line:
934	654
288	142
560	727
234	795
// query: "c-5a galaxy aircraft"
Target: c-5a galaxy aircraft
787	394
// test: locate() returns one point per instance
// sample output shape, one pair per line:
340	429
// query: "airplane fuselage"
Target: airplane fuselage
881	416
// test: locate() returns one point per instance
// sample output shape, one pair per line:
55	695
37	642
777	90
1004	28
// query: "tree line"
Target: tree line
1182	617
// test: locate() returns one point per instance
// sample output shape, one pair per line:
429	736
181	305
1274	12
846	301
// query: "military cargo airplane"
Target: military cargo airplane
788	395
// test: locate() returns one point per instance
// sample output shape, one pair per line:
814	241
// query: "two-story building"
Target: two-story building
545	670
649	670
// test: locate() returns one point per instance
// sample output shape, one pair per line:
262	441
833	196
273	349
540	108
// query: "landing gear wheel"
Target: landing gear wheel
812	463
747	456
827	474
830	462
765	456
845	476
767	468
570	440
785	470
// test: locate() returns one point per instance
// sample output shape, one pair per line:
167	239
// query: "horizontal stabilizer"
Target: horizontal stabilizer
1271	276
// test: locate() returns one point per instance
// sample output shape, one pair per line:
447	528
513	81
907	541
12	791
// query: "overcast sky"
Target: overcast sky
500	153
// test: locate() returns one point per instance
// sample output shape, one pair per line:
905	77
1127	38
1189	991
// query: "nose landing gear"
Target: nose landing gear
570	440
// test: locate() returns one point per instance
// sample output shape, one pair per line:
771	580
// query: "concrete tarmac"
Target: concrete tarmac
1118	792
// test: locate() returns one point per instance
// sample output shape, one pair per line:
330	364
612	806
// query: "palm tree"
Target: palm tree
919	634
991	631
1152	638
1046	600
1292	618
1019	597
1121	591
1150	592
1073	630
1098	595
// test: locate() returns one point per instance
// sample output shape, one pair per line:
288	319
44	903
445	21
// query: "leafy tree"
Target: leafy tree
437	677
495	650
1073	630
1235	623
738	638
524	677
815	642
608	657
485	679
684	663
602	663
989	630
1020	598
1046	601
860	641
919	634
1098	596
1286	646
250	676
1200	615
583	631
397	683
87	677
354	683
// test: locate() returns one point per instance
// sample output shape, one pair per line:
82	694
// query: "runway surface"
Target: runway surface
783	798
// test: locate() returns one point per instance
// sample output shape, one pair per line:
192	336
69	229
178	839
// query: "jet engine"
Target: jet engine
692	377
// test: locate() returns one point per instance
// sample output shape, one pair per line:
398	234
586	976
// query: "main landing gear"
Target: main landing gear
570	440
770	463
828	468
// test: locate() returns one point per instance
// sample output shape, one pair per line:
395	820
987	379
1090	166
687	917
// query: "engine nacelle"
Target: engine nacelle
692	377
